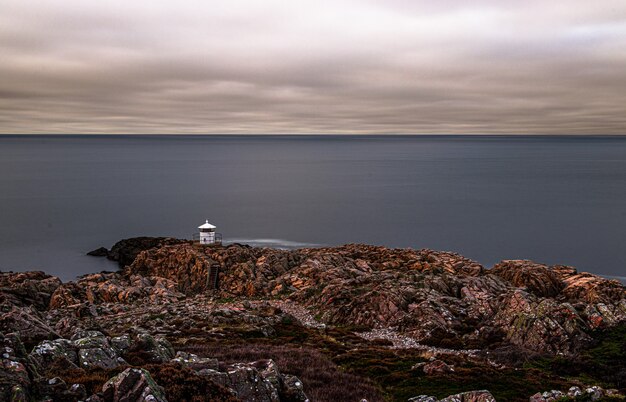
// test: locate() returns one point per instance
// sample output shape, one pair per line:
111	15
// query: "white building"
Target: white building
207	233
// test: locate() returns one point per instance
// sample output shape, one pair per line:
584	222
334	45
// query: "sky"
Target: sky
316	67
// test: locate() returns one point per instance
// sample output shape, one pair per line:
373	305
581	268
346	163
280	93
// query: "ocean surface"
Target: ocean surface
550	199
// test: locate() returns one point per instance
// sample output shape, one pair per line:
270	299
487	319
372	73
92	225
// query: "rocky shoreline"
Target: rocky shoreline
341	323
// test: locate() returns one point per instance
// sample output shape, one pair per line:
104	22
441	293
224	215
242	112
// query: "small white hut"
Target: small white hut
207	233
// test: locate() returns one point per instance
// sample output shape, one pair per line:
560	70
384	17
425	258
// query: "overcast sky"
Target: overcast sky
389	66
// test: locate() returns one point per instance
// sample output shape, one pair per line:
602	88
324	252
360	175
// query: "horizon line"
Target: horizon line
310	135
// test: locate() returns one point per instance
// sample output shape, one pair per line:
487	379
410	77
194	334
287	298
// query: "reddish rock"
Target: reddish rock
437	367
436	297
538	279
27	288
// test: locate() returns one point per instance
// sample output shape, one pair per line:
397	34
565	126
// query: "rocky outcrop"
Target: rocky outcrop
471	396
34	376
537	279
23	289
114	288
436	367
133	385
259	381
592	393
125	251
440	303
15	381
86	349
435	297
27	322
559	281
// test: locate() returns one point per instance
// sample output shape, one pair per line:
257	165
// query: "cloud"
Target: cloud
75	66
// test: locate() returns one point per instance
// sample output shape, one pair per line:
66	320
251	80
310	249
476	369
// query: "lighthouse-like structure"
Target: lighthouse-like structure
207	233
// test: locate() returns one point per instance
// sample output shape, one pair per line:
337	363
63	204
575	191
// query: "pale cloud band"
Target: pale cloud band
451	66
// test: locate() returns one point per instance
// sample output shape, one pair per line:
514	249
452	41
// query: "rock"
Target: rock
537	279
548	396
99	252
111	287
24	289
59	350
423	398
157	349
292	389
125	251
57	390
592	393
258	381
573	392
437	367
438	298
194	362
471	396
133	385
15	380
94	350
121	344
27	322
289	387
247	383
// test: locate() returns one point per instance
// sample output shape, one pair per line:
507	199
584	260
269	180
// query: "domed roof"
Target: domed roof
206	225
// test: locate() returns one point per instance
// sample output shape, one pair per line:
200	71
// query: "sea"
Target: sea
554	200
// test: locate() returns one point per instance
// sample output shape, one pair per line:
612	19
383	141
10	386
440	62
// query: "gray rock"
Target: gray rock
27	322
574	392
99	357
292	389
90	339
437	367
120	343
14	376
159	348
423	398
133	385
94	350
471	396
194	362
594	393
48	352
250	385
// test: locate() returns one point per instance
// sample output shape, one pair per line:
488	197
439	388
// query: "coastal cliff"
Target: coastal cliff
340	323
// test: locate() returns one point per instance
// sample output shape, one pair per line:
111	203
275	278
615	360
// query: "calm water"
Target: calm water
553	200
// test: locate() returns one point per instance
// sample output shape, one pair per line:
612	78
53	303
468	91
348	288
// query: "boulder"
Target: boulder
23	289
248	384
57	390
438	298
15	380
125	251
99	252
133	385
471	396
437	367
194	362
28	323
292	389
94	350
537	279
423	398
155	349
55	351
